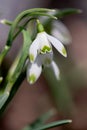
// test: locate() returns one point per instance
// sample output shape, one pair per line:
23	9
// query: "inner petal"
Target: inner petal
46	59
46	49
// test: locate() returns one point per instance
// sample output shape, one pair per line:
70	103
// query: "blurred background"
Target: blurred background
68	97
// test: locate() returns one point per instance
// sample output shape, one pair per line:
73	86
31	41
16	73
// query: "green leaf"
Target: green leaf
60	92
65	12
41	120
50	125
54	124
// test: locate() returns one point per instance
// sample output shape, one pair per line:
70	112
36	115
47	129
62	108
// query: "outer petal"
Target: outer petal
45	45
58	45
55	70
33	72
33	50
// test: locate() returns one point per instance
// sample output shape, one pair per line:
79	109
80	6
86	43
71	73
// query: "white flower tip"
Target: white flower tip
58	77
1	78
53	10
7	93
79	11
3	21
70	121
7	47
55	18
32	79
56	70
64	53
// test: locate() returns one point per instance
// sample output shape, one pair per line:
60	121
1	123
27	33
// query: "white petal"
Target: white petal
33	50
60	31
33	72
46	59
45	45
58	45
55	70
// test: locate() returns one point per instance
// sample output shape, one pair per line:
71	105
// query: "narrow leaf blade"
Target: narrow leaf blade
54	124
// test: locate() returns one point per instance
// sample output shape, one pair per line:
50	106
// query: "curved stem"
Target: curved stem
30	12
18	67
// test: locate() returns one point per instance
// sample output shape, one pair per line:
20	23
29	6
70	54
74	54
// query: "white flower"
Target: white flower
43	60
43	44
41	55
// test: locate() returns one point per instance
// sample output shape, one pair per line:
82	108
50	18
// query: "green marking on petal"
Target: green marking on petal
32	79
31	57
64	52
46	49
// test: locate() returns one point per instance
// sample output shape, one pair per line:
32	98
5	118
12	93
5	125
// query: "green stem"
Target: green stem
21	61
14	73
13	91
25	13
24	25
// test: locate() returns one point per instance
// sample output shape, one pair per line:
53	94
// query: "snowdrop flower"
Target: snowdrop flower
34	69
41	54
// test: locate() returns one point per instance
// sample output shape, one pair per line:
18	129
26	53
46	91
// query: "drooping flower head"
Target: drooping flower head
41	54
